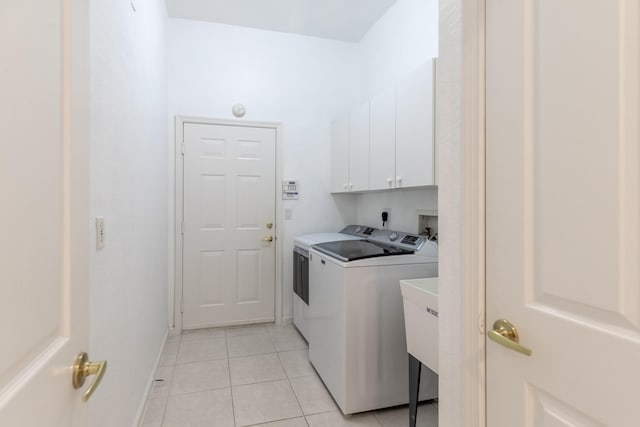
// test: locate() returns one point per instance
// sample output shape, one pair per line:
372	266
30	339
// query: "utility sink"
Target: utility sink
420	298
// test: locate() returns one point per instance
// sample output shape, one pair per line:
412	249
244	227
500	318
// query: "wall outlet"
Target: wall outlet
386	217
99	232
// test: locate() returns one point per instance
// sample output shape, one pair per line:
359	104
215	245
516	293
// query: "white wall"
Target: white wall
300	81
305	83
404	205
403	39
128	125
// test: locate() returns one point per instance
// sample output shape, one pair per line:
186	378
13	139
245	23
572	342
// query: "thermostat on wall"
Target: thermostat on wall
289	190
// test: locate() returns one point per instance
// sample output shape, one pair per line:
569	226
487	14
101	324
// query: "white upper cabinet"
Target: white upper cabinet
359	148
340	155
388	142
382	154
414	128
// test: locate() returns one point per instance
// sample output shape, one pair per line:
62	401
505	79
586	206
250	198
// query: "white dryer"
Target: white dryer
356	323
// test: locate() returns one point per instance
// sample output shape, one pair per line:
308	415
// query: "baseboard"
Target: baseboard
287	321
147	390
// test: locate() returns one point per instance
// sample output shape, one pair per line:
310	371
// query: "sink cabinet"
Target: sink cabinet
420	301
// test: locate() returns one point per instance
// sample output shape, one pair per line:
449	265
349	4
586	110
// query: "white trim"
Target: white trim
473	215
152	376
461	176
180	121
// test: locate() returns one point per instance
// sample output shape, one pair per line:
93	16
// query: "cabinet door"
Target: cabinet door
414	128
382	163
359	148
340	155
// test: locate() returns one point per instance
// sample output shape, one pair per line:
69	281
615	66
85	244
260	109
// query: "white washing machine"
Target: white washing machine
302	245
356	329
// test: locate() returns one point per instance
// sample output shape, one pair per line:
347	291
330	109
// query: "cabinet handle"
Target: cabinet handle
350	186
345	186
389	181
399	180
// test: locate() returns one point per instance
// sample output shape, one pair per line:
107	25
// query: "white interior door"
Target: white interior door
229	217
563	211
44	215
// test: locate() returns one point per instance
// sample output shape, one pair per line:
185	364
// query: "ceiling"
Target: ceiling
346	20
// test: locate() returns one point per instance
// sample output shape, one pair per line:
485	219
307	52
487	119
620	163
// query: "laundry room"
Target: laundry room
349	92
220	135
305	83
303	213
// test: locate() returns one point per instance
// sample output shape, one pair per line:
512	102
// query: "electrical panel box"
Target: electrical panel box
290	190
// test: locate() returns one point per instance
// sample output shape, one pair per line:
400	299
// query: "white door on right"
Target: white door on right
563	211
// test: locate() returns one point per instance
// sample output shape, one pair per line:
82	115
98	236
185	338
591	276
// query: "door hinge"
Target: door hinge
182	227
182	148
181	306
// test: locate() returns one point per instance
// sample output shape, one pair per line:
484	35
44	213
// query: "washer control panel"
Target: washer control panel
363	231
399	239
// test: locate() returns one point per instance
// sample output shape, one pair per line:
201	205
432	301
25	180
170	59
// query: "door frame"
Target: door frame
175	294
460	128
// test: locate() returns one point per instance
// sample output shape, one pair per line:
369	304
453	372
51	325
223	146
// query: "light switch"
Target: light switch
99	233
288	213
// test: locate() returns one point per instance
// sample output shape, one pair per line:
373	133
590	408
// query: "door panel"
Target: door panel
43	220
382	173
229	198
414	128
359	148
563	217
340	155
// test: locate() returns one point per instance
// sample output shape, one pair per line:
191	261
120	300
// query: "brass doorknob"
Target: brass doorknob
82	368
268	239
504	333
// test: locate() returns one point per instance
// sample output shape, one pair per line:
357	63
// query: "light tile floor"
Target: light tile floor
252	376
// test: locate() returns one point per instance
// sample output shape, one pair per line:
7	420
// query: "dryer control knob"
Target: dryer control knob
393	236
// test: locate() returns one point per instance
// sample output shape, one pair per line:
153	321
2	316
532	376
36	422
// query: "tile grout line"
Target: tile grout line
173	372
292	389
276	380
276	421
233	406
273	336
